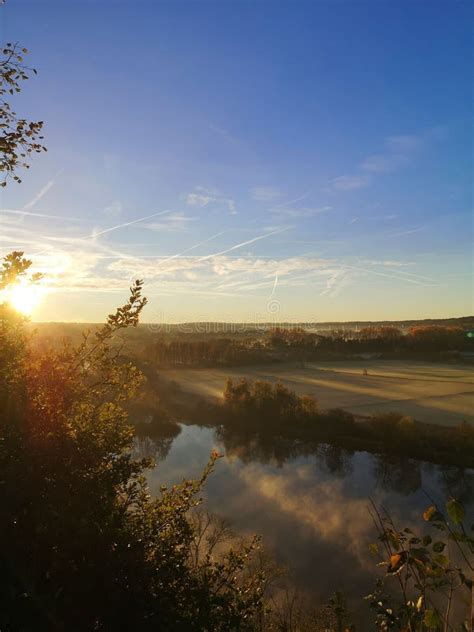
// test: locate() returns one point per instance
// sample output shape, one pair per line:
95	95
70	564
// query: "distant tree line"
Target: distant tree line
297	344
208	351
379	339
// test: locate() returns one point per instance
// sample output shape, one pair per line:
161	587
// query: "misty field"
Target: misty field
432	393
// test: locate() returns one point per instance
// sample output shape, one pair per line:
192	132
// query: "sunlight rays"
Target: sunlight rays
24	297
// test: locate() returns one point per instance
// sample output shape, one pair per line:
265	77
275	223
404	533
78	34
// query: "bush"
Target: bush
264	404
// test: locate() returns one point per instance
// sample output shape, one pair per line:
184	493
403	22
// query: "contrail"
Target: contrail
244	243
274	286
385	274
45	215
417	276
180	254
298	199
39	195
109	230
135	221
406	232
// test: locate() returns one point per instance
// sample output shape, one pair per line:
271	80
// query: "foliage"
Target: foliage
433	572
83	545
19	138
436	336
265	400
417	341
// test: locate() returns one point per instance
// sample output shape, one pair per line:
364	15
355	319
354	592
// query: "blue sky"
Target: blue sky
250	160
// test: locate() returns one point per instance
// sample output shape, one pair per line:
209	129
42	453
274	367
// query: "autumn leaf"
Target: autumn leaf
397	562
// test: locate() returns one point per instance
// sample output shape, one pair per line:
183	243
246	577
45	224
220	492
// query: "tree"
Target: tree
437	338
19	138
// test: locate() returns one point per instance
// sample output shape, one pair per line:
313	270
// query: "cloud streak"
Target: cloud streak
350	182
202	197
265	193
398	152
41	193
244	243
64	218
95	234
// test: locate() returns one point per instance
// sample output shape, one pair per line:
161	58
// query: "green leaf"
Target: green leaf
455	510
427	540
438	547
432	620
442	560
419	553
374	549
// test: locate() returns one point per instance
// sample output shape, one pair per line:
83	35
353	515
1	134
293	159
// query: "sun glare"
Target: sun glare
25	297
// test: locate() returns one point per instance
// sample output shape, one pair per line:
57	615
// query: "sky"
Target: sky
251	161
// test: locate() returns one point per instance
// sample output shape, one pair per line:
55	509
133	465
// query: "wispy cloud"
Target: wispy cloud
350	182
174	222
300	213
382	163
338	279
199	199
224	133
409	231
203	197
405	143
398	151
89	264
265	193
114	209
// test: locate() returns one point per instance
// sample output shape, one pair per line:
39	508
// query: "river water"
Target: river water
310	503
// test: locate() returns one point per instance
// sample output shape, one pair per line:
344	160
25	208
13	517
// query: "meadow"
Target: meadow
438	393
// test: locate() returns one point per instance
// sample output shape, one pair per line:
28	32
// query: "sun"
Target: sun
24	297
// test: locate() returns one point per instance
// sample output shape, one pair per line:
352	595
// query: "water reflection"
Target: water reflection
308	501
397	474
154	437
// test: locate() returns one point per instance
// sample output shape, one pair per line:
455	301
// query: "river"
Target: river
310	503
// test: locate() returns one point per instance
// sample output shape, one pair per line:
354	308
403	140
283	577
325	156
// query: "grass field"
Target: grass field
434	393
